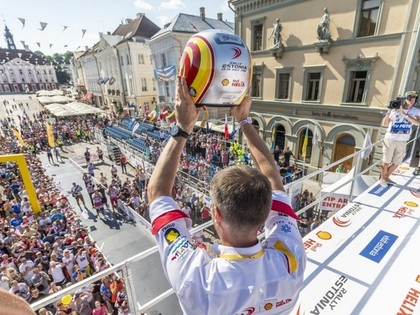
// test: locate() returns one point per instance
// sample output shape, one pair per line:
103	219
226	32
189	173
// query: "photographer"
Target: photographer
399	119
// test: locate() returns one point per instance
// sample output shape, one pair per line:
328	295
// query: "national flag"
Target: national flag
131	123
19	137
50	135
233	133
273	139
315	139
135	127
305	143
367	147
171	117
205	118
164	113
226	128
154	114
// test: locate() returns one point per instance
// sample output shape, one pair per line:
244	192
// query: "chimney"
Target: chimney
128	21
139	15
220	16
203	13
108	33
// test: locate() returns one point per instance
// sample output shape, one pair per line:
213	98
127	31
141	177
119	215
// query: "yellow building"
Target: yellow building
330	67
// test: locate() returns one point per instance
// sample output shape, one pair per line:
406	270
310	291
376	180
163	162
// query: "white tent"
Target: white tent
72	109
339	196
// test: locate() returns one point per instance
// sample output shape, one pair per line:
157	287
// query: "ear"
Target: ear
217	215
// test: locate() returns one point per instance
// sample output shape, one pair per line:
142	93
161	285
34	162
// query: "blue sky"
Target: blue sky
94	16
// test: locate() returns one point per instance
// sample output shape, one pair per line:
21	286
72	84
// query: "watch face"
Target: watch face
174	130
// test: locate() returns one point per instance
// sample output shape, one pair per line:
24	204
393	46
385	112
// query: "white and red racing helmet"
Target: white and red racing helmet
217	67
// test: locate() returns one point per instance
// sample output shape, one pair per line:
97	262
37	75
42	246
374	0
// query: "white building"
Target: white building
117	71
168	44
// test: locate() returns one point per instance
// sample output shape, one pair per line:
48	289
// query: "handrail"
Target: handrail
154	249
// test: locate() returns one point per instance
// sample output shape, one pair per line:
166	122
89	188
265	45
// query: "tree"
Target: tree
61	64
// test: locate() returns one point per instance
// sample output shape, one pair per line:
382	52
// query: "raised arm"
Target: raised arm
259	150
163	176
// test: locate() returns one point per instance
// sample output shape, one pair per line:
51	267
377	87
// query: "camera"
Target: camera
397	103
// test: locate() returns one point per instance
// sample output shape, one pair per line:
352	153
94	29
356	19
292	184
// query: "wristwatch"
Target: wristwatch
176	131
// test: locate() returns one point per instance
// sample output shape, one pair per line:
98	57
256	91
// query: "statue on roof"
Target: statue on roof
276	33
323	29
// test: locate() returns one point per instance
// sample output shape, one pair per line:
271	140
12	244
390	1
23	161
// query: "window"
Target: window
312	83
151	59
257	81
143	84
358	72
257	28
122	60
357	86
128	59
154	84
163	58
168	91
283	81
368	17
141	59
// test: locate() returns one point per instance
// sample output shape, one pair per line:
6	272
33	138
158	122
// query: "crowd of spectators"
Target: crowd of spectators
44	250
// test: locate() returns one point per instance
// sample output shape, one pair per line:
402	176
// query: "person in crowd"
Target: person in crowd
243	200
123	163
76	191
399	122
340	169
100	154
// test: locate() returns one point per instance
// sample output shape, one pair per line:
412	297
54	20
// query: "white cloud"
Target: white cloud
172	4
143	5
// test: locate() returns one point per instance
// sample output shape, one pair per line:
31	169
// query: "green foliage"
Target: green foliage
61	64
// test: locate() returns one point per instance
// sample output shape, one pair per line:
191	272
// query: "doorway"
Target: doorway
344	146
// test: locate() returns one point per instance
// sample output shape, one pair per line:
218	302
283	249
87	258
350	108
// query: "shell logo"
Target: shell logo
324	235
418	278
268	306
404	168
341	223
225	82
411	204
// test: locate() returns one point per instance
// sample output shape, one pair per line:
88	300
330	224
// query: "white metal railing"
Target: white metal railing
124	266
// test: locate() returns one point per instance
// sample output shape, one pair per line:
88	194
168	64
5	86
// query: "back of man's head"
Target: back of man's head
12	304
243	195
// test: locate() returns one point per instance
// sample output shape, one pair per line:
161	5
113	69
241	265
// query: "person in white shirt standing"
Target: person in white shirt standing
244	276
399	120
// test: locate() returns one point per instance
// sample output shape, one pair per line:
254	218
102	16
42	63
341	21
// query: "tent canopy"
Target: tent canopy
72	109
54	99
49	93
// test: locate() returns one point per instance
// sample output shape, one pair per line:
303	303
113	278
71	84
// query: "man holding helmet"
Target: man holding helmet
241	275
399	121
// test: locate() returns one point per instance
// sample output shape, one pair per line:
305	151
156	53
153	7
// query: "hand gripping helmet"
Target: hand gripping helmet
217	67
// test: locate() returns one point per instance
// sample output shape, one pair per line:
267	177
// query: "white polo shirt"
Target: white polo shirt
263	279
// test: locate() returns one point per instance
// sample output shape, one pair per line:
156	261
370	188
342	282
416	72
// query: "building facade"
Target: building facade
23	71
168	45
117	70
329	69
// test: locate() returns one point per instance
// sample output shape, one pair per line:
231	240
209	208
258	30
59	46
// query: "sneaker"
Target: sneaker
383	183
390	181
416	171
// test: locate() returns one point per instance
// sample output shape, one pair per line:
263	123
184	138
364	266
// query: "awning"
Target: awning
72	109
54	99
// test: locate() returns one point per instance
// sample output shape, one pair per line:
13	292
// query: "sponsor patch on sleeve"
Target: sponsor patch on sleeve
171	234
180	248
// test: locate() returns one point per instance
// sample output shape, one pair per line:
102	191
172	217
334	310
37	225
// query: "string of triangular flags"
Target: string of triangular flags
44	25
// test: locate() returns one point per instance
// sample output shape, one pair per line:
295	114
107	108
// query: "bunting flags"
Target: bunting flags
23	43
43	25
64	28
305	143
39	44
154	114
50	135
83	33
165	74
367	147
233	133
51	45
22	20
19	137
226	128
